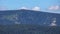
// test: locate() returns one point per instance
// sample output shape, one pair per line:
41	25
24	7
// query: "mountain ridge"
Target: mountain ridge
30	10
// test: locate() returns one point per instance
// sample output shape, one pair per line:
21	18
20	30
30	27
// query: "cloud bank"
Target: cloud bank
24	8
36	8
2	8
54	7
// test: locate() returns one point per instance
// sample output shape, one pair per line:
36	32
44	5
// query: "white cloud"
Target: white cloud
2	8
54	7
51	8
36	8
23	8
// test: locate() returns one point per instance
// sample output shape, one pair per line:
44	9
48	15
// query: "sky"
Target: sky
43	5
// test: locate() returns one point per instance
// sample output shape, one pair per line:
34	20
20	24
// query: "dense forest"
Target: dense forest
29	29
29	22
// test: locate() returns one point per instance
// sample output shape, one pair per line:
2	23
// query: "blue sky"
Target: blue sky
16	4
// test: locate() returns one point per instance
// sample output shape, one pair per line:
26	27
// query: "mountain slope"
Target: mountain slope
28	17
29	22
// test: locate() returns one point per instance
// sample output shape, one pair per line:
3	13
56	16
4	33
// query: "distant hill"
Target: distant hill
28	17
29	22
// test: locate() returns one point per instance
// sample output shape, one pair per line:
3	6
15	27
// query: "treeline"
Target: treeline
28	29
